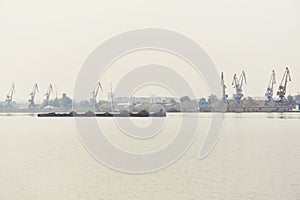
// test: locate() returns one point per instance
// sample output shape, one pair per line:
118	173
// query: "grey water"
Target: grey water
256	157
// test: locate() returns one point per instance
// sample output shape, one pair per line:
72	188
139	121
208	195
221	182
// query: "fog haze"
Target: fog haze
47	42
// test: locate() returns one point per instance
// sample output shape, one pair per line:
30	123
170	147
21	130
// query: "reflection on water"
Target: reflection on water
257	157
17	114
288	115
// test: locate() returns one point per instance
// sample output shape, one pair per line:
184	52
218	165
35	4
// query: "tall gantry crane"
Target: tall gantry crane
32	96
111	98
48	94
95	94
283	85
10	94
224	95
270	89
238	85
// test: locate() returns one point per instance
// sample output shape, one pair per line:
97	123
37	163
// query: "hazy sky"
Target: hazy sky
47	41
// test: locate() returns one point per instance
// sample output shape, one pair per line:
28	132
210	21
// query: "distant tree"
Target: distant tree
212	99
202	101
185	99
54	102
172	101
250	99
297	98
101	102
290	100
65	102
85	103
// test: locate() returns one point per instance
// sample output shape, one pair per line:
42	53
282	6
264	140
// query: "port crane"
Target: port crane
10	94
224	95
48	94
32	96
270	88
111	98
95	94
283	85
238	85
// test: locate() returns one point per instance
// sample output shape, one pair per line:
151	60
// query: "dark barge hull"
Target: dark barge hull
107	114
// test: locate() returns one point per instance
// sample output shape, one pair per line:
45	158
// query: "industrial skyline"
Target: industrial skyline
40	46
276	90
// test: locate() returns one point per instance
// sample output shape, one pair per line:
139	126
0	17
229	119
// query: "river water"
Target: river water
257	157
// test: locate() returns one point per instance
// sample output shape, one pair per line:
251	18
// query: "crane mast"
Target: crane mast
32	96
270	88
48	94
224	95
283	85
10	94
111	98
238	85
95	94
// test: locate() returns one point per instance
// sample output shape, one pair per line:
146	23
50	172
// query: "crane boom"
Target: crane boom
95	94
238	85
32	96
283	85
242	79
111	98
48	94
235	82
224	95
270	88
10	94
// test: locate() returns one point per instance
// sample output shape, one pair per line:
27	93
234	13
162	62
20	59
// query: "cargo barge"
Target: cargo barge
142	113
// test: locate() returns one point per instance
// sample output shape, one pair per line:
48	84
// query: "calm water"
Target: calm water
257	157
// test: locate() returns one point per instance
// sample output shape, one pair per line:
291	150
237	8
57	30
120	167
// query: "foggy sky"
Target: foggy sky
48	41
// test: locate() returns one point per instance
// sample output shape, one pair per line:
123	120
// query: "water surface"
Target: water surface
257	157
